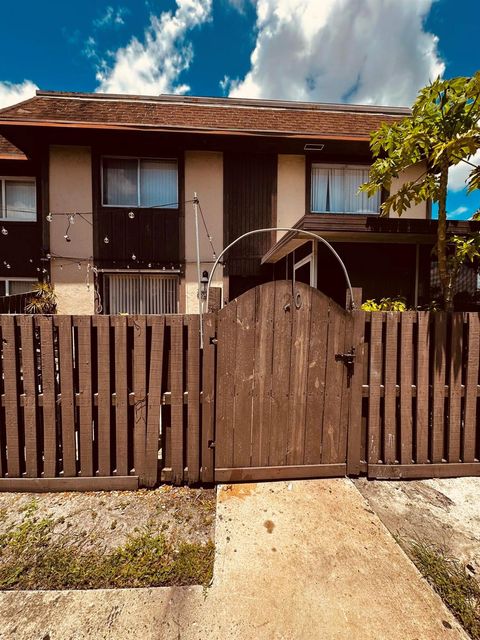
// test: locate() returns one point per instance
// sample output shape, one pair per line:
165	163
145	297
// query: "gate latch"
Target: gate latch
347	358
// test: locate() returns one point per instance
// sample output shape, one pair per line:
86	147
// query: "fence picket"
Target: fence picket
193	388
439	368
30	396
208	399
104	397
50	445
374	433
471	388
84	355
140	389
10	382
390	420
177	439
154	399
64	324
455	382
422	399
121	395
406	380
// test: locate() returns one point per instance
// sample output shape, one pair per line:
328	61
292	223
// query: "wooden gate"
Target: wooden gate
282	385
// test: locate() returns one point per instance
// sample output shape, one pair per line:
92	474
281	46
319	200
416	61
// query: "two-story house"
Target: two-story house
100	198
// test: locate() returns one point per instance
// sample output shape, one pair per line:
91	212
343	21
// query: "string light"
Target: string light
131	215
134	257
4	231
106	240
49	217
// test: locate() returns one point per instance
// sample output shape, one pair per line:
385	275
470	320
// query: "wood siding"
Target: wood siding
250	191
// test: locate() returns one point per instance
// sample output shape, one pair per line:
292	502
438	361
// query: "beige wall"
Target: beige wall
412	173
70	184
290	191
203	175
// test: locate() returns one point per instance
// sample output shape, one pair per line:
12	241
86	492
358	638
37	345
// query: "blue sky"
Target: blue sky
362	51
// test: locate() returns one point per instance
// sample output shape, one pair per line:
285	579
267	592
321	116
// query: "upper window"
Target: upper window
18	199
335	190
135	182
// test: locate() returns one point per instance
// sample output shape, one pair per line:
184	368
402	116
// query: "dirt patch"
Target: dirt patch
106	539
441	512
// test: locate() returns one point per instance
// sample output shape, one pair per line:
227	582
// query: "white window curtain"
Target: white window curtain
20	200
120	181
158	183
335	190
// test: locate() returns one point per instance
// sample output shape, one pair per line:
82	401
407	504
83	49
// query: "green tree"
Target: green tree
442	131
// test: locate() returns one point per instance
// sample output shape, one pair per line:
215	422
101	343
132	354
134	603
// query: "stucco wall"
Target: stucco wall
290	190
412	173
203	175
70	191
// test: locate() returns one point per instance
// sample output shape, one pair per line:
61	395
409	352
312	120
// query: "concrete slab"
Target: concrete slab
295	560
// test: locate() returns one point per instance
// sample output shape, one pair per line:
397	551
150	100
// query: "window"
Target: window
335	190
18	199
135	182
141	293
15	286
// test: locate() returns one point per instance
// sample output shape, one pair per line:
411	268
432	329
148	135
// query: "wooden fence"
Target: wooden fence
417	383
99	402
111	402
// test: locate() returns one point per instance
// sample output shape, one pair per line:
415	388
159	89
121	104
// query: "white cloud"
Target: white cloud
111	17
154	65
458	174
11	93
458	213
358	51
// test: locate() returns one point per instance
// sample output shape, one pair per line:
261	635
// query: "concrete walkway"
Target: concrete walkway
300	560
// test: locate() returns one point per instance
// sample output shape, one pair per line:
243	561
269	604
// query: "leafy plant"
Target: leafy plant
43	299
385	304
442	131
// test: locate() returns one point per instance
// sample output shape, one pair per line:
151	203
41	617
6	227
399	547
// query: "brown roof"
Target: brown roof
9	152
215	115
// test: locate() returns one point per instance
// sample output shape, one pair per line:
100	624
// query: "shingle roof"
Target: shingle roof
9	151
201	114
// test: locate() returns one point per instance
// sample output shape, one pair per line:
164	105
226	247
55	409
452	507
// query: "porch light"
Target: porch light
203	285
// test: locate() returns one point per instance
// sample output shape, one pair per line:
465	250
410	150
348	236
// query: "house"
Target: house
115	177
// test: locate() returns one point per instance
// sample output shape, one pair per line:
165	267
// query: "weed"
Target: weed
32	558
30	508
451	580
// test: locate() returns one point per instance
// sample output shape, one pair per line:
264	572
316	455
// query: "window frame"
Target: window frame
16	279
338	165
3	199
139	160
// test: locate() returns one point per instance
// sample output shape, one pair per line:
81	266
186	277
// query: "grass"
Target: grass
451	580
32	557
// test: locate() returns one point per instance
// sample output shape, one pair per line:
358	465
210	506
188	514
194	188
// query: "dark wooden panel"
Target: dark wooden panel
104	395
471	388
208	397
422	399
193	388
282	336
50	445
249	190
84	356
263	377
176	372
299	363
355	417
154	399
406	381
284	472
375	377
40	485
227	339
455	382
121	395
30	396
390	419
140	389
439	368
243	379
64	324
441	470
10	382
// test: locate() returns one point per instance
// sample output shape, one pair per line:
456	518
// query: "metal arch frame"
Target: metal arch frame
310	234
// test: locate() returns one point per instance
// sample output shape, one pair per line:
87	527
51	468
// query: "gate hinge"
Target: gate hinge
347	358
213	340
